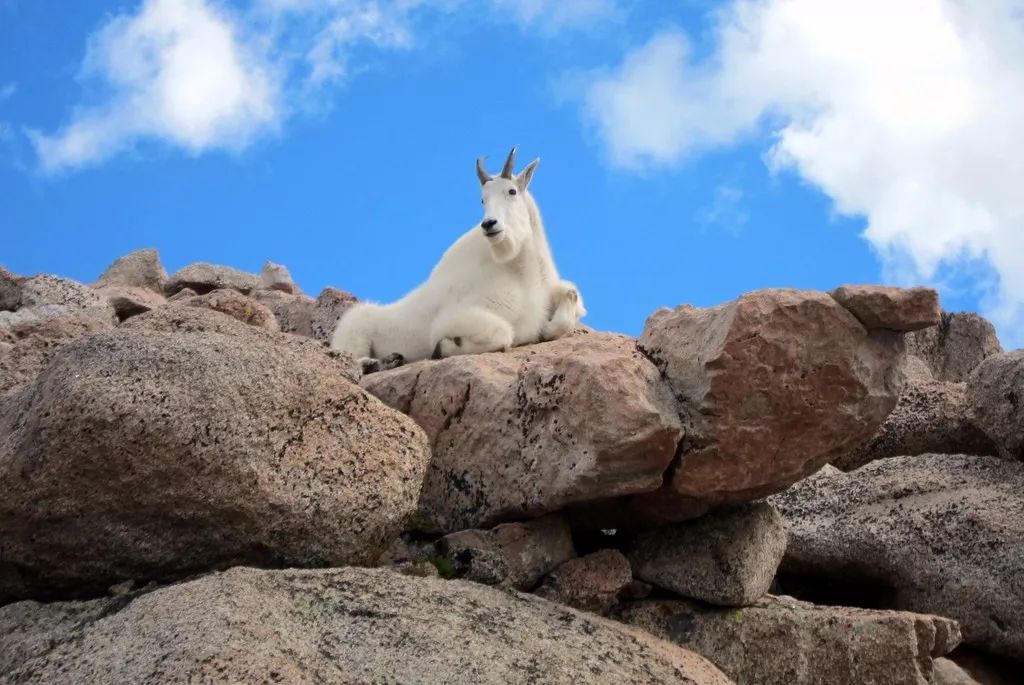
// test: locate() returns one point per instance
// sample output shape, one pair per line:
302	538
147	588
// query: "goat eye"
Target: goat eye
511	191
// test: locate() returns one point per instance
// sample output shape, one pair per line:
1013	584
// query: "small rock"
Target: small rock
898	309
204	278
10	291
782	641
330	305
591	583
996	391
182	294
277	277
956	346
511	555
727	557
139	269
947	672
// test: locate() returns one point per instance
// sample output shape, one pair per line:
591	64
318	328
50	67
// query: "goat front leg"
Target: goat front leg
566	310
470	331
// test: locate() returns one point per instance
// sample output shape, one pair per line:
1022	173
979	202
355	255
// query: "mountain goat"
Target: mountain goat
496	287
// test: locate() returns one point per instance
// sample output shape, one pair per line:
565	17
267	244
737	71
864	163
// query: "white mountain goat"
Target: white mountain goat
496	287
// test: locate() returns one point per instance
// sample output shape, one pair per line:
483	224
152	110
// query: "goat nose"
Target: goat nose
488	224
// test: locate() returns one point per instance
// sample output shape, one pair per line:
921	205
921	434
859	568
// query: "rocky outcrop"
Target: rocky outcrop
339	625
203	278
514	555
898	309
942	534
931	416
591	583
728	557
781	641
772	386
953	349
157	453
996	392
530	431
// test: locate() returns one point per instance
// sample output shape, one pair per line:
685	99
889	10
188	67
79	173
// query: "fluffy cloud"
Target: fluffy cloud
191	74
906	113
177	70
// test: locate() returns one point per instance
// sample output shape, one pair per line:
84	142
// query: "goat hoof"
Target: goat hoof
392	361
369	365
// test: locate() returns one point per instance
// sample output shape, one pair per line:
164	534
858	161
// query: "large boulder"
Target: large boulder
953	349
940	534
10	290
158	453
898	309
236	305
727	557
772	386
277	277
930	417
203	278
782	641
997	400
333	626
139	269
532	430
511	555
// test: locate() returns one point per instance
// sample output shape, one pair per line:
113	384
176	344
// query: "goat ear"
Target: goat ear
526	175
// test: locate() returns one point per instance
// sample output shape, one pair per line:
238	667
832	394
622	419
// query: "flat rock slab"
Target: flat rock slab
203	278
782	641
160	453
728	557
333	626
944	533
898	309
532	430
773	385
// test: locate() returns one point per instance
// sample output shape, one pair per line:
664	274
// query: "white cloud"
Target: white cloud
906	113
8	91
554	15
179	71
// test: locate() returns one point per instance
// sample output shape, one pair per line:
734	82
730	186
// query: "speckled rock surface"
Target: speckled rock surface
773	385
277	277
203	278
945	533
996	390
529	431
930	417
154	454
727	557
338	626
129	300
947	672
331	303
956	346
514	555
781	641
898	309
590	583
138	269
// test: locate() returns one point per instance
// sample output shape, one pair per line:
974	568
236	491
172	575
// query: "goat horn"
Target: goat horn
506	171
481	173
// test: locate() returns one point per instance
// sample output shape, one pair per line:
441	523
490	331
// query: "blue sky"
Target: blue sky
690	150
